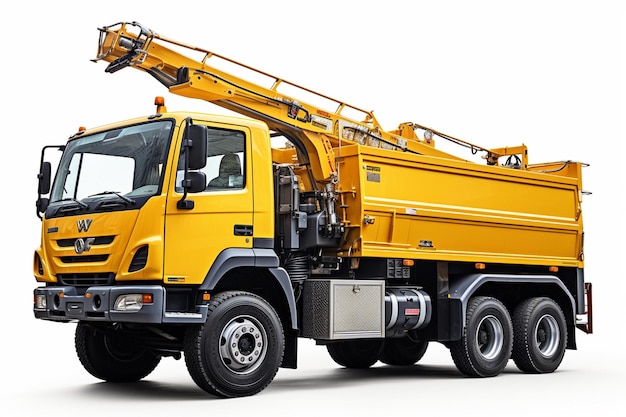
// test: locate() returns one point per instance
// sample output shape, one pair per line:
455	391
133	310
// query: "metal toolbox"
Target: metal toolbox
343	309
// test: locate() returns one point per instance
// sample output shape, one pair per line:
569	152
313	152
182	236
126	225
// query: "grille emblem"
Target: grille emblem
83	224
83	245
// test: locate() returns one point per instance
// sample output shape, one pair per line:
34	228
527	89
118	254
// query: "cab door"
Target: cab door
222	215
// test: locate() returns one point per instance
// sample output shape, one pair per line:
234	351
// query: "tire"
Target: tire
358	354
402	352
485	347
240	327
540	335
112	356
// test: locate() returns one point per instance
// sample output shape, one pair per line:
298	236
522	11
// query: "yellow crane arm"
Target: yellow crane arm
318	130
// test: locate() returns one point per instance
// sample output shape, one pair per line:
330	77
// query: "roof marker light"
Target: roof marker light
160	103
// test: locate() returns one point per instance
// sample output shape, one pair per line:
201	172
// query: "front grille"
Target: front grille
86	280
100	240
83	258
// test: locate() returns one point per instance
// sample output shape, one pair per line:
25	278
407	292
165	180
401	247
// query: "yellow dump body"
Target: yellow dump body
423	207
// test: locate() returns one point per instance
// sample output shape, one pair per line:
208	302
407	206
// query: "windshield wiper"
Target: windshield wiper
79	204
120	196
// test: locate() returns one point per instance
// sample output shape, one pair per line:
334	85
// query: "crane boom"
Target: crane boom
316	129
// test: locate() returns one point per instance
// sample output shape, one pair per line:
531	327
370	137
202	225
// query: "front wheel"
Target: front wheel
238	350
540	335
111	355
485	347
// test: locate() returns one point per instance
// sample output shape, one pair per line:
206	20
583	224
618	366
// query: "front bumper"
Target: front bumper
97	304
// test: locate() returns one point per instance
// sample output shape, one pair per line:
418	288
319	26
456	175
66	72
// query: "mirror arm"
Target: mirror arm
183	203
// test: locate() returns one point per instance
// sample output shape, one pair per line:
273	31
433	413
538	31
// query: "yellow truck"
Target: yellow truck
226	239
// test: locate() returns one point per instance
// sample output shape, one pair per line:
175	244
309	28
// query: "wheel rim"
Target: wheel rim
490	337
243	344
547	335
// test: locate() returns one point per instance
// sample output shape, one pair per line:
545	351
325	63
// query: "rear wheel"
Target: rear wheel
356	353
239	349
485	347
112	356
540	335
402	352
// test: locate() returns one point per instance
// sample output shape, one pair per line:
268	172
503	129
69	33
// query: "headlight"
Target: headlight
128	302
132	302
40	301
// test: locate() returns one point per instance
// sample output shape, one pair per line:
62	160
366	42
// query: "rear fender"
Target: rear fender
462	289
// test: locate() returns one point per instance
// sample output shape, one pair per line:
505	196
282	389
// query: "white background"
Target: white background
549	74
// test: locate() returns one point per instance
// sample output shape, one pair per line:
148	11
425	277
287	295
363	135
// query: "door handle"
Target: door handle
243	230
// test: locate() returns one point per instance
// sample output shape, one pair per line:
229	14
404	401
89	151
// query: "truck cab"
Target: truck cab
121	189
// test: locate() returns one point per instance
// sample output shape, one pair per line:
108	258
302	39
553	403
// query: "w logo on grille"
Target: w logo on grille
83	224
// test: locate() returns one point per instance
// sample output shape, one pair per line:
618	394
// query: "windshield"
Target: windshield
126	161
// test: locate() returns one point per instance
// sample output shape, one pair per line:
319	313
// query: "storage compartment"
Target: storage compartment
343	309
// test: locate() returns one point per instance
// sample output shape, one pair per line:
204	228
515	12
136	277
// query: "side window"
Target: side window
225	168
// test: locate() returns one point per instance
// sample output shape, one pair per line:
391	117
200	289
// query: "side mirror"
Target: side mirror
44	177
45	172
42	204
196	152
197	137
195	182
